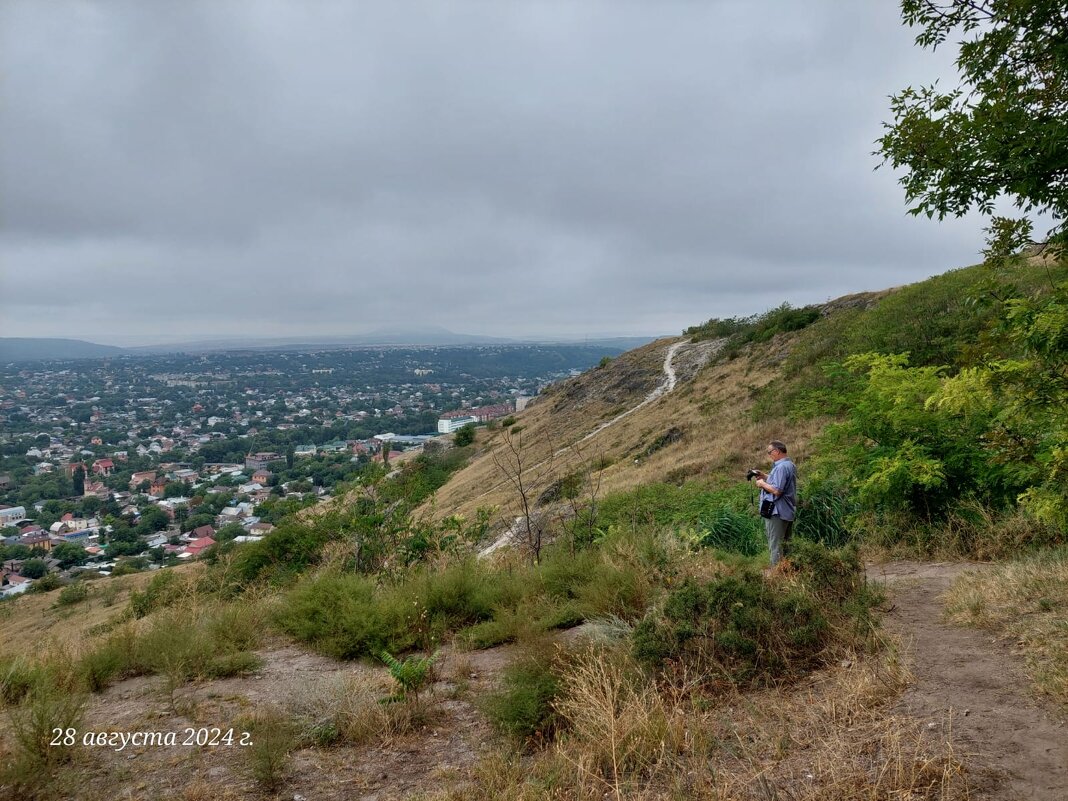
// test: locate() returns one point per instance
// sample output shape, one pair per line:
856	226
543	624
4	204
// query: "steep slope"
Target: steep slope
667	411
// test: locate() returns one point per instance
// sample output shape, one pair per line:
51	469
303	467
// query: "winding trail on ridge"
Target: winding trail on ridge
668	385
970	684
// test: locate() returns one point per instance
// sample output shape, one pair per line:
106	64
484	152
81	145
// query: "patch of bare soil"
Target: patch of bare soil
975	683
451	740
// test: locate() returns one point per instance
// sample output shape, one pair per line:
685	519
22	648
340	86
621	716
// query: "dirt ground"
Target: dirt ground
969	687
393	768
975	683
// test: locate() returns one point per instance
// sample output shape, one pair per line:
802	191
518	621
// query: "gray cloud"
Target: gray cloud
280	168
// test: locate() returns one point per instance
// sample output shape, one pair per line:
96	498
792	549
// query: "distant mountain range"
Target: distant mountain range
24	349
27	349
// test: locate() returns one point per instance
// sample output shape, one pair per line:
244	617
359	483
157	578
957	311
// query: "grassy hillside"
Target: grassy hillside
624	641
744	381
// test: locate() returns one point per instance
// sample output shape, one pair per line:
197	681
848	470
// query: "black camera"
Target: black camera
751	474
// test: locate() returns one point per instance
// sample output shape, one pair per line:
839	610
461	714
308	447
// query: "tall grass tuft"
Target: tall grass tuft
620	729
733	531
274	736
523	707
36	764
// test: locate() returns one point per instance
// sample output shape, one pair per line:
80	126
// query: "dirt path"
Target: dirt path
668	385
972	681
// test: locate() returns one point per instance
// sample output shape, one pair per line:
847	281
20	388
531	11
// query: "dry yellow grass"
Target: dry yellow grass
832	739
32	619
711	411
1027	600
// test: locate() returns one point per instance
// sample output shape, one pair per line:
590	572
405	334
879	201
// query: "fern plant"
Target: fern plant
410	674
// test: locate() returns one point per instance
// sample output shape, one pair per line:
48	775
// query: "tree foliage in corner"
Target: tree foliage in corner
1003	132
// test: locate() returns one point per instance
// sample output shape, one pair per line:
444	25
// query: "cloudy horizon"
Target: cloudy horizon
258	168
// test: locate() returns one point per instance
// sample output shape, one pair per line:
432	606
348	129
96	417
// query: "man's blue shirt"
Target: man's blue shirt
783	476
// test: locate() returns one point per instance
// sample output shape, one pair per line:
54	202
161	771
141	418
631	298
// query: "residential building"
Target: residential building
10	515
257	461
144	475
447	425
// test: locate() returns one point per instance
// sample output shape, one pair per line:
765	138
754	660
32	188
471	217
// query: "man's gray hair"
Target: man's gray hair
779	446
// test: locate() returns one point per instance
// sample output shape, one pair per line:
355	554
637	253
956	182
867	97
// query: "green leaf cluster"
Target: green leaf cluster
1002	132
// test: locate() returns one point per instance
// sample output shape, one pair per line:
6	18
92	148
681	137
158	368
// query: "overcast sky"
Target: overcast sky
177	170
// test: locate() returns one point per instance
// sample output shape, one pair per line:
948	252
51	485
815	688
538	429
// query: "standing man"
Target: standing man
779	488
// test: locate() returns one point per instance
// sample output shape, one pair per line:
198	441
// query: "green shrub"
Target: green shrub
523	707
739	627
46	583
615	588
827	574
348	616
162	590
339	615
465	436
758	328
108	663
237	664
292	547
73	594
18	676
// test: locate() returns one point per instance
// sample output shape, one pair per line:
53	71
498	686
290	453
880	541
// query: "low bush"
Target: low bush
523	707
828	574
166	587
73	594
740	628
18	676
759	328
292	547
349	616
46	583
744	630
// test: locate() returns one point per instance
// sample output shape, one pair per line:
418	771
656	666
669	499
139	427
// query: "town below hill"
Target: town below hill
119	464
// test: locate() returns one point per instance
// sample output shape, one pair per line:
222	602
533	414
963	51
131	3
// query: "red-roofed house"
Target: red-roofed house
103	467
200	532
98	489
196	547
144	475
